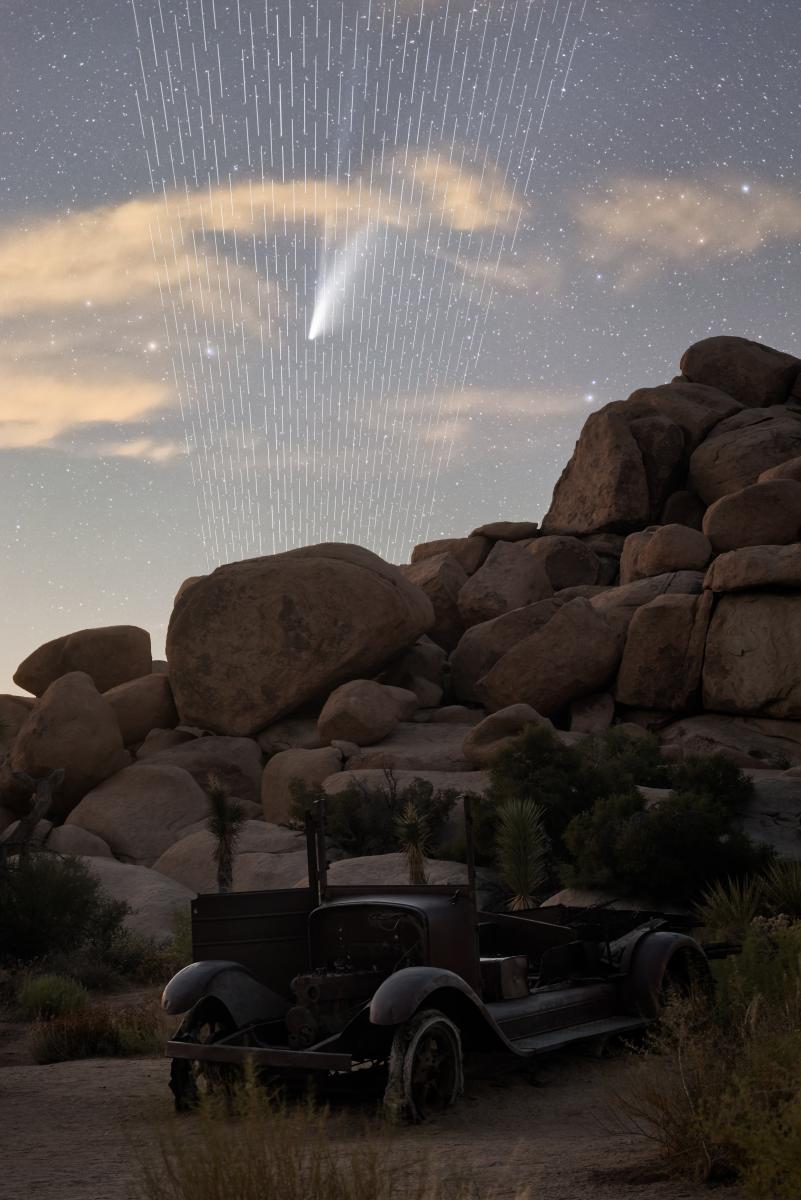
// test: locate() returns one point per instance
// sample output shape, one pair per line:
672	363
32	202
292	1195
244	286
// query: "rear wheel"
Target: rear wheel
425	1067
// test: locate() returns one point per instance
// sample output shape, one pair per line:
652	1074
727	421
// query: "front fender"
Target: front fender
401	994
229	982
654	957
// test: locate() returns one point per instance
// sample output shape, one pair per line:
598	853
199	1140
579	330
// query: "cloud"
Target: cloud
147	449
637	224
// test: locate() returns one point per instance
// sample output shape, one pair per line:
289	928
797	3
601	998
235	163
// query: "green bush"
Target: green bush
43	997
50	904
98	1032
536	766
714	777
363	820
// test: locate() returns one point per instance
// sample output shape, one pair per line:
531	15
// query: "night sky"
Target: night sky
282	273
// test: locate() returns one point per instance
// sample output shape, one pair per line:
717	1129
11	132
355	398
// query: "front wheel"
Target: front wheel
425	1067
191	1079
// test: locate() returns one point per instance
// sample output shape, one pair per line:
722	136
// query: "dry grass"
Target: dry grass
253	1147
99	1032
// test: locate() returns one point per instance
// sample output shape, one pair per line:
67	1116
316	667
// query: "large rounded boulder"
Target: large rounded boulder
110	655
255	640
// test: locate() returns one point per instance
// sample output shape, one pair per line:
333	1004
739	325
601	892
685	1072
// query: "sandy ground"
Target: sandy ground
70	1131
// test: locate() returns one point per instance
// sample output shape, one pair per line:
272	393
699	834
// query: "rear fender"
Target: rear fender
405	992
229	982
654	958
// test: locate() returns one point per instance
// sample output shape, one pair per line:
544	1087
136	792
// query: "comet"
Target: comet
338	276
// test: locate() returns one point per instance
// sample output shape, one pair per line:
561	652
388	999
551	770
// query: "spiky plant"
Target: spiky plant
412	829
522	848
224	823
783	887
728	907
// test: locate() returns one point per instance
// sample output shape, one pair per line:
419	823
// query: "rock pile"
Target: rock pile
662	592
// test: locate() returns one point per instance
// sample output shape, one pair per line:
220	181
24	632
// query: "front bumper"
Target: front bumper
260	1056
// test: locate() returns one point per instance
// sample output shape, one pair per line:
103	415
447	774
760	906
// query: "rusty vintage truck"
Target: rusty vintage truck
398	983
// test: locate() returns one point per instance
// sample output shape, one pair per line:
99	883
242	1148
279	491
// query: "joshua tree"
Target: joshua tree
412	829
522	851
41	799
224	823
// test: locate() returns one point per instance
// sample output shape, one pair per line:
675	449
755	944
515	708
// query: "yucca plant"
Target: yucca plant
728	907
412	829
522	848
783	887
224	823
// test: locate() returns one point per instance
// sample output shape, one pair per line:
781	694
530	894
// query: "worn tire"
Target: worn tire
426	1074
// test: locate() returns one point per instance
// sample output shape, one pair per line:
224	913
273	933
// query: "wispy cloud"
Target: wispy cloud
638	224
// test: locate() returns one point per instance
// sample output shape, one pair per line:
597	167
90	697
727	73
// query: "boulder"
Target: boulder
510	578
236	762
568	562
751	372
482	646
633	549
755	567
786	470
664	653
141	705
469	552
14	711
499	730
109	656
155	901
507	531
71	839
41	832
773	814
257	639
441	577
694	407
604	487
265	856
741	448
163	739
425	660
142	810
70	726
364	712
764	514
293	733
308	767
661	549
375	779
456	714
184	587
683	508
592	714
662	447
753	656
389	870
576	654
619	604
607	548
746	741
413	747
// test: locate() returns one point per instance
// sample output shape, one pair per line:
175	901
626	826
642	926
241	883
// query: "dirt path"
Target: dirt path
71	1131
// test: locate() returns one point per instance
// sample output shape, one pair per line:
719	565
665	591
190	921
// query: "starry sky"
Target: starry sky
278	273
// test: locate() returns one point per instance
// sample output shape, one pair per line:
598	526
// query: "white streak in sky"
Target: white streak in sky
337	278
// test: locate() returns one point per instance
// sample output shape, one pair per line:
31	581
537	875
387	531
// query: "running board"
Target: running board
555	1039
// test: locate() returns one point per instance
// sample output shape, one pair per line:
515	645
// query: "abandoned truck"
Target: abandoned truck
398	983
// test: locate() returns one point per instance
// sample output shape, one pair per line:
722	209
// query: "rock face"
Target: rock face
753	373
773	815
499	730
141	705
619	605
756	567
154	900
441	577
14	712
364	712
765	514
469	552
389	869
309	767
109	656
741	448
255	640
664	653
412	747
752	656
510	578
661	549
749	742
266	856
482	646
142	810
71	726
236	762
575	654
604	486
568	561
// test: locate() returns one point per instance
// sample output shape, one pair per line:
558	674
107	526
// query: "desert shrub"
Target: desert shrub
363	820
52	904
783	888
728	907
713	776
42	997
719	1088
671	851
536	766
98	1032
617	761
522	852
294	1152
